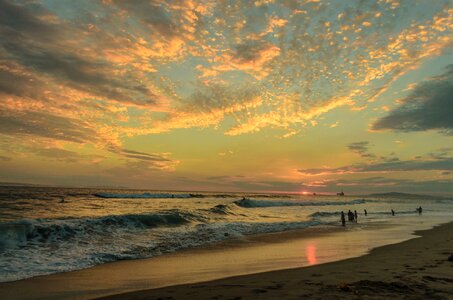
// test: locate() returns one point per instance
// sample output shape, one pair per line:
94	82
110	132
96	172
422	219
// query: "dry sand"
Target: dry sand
415	269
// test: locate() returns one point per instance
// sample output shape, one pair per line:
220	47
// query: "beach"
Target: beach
414	268
198	149
103	242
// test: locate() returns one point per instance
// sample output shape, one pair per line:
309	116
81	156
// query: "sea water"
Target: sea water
45	230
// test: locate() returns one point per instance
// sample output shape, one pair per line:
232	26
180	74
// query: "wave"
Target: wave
222	209
146	195
249	203
93	249
52	230
320	214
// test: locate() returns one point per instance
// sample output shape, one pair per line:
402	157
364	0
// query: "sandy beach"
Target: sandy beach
315	263
415	269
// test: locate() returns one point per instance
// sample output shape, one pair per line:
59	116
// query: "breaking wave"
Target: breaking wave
222	209
52	230
73	244
320	214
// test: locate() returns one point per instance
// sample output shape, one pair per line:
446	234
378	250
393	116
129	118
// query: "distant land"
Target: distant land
406	195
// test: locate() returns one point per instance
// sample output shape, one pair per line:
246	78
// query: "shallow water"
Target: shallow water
39	235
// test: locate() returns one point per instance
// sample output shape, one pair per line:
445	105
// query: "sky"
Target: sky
257	96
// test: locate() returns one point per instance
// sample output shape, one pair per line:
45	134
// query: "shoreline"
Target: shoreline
418	268
277	251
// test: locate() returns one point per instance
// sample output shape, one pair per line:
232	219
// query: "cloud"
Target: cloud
147	161
207	106
4	158
155	14
15	19
334	125
251	183
386	167
268	185
100	72
79	72
383	184
252	56
440	160
428	107
20	85
53	86
145	156
174	26
361	148
144	54
442	153
46	126
59	154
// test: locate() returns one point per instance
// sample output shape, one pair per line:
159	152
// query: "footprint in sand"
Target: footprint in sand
259	291
275	287
431	278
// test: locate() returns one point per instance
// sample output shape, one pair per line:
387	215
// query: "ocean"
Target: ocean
46	230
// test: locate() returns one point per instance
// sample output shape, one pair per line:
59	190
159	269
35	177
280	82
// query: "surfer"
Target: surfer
355	215
366	213
420	210
393	212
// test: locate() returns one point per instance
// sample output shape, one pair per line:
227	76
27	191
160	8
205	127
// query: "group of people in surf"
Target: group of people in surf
352	216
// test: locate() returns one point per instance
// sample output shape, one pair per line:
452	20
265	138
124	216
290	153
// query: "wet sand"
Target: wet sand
415	269
260	254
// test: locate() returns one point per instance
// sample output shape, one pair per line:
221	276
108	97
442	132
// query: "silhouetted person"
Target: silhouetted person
393	212
355	215
350	216
366	213
420	210
62	200
343	219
